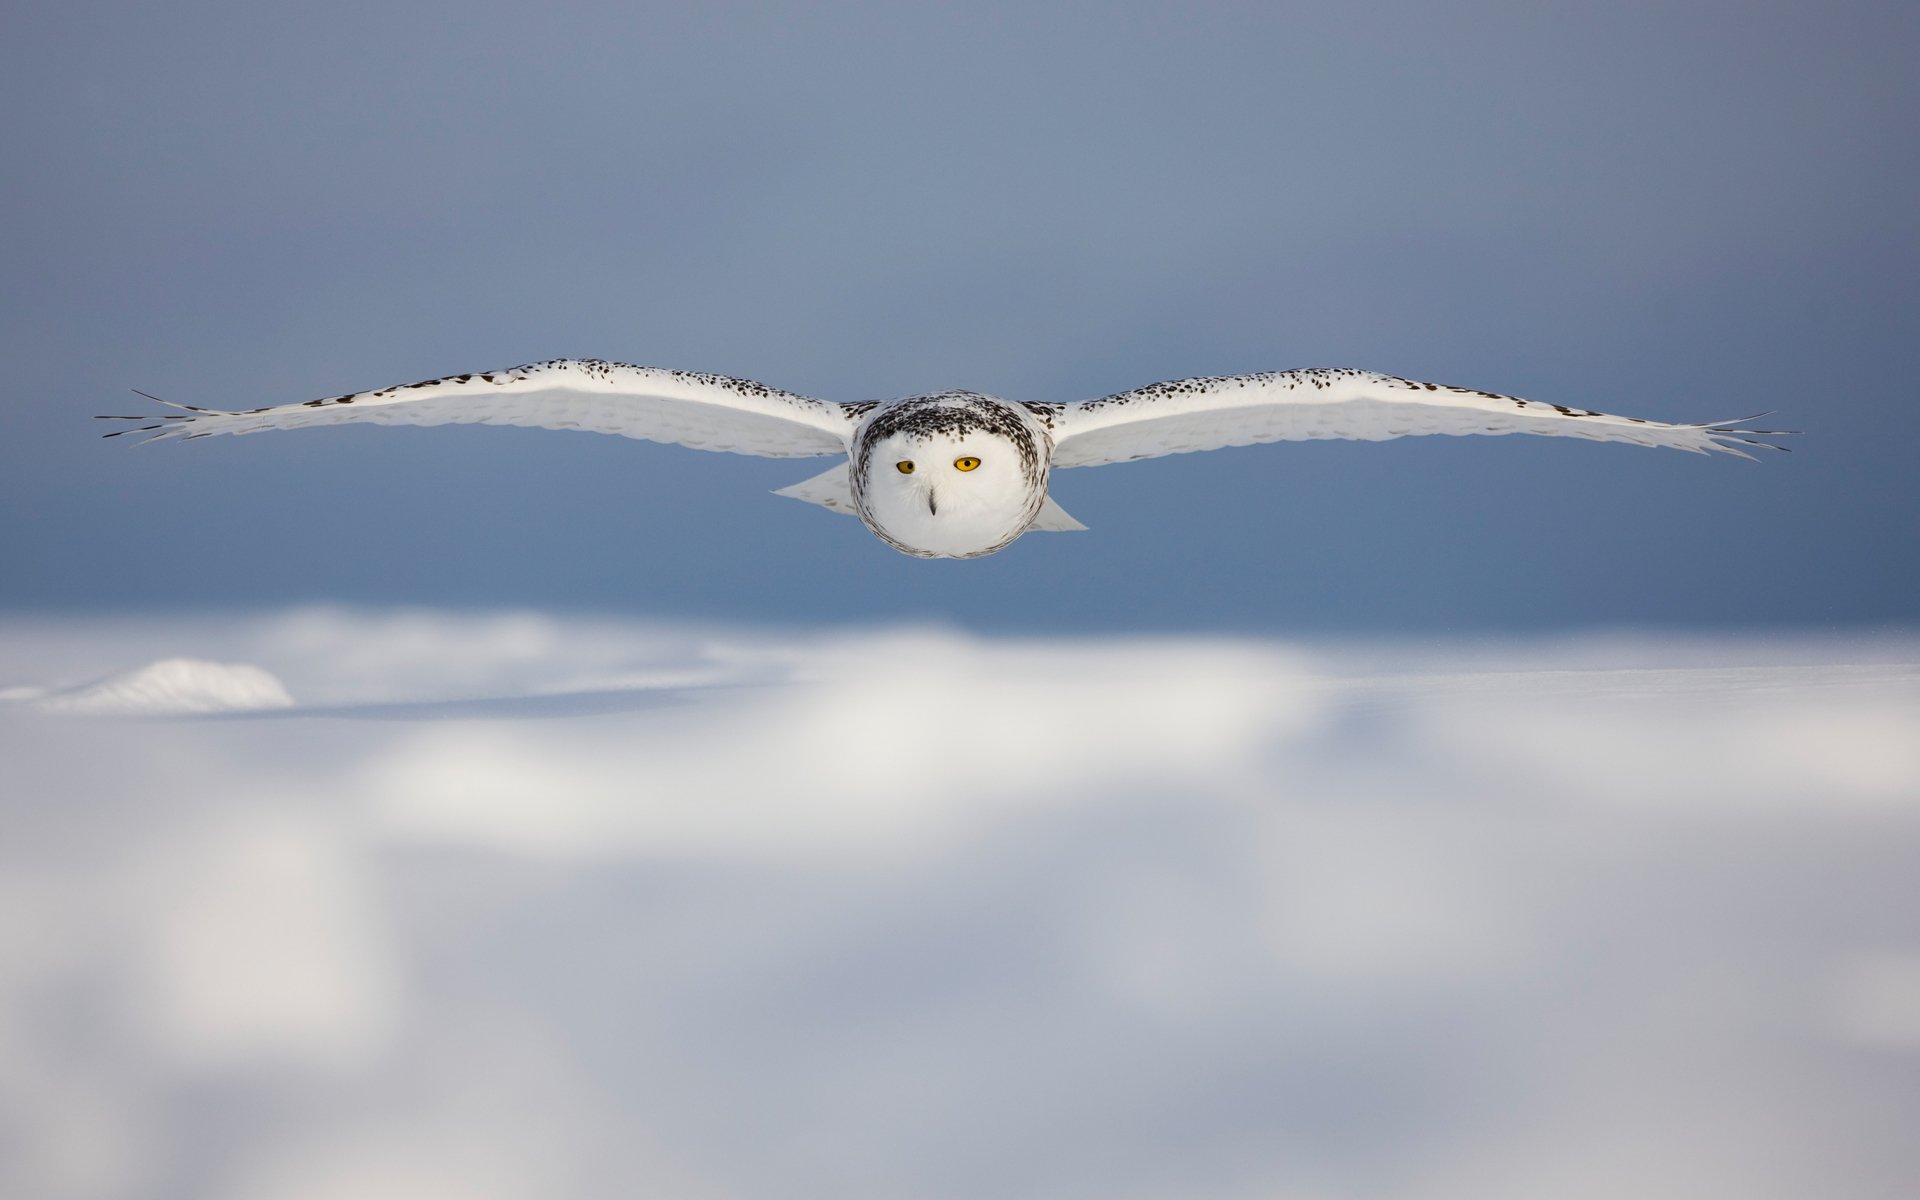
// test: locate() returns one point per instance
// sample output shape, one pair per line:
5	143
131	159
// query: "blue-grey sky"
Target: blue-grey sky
1680	211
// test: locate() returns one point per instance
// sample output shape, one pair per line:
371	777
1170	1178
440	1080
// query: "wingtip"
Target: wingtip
173	403
1725	434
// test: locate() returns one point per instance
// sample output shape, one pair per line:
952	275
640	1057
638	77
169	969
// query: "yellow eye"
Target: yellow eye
966	464
904	466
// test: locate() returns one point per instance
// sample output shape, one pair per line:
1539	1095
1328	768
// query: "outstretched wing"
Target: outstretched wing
1279	406
707	412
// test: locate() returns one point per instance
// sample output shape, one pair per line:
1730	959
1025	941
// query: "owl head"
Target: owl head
953	475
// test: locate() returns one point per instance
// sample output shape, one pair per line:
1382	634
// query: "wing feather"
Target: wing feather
1239	410
706	412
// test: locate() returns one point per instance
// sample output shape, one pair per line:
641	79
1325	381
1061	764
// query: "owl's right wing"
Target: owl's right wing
706	412
1240	410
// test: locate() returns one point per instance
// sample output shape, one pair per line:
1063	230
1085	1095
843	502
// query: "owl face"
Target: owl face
948	477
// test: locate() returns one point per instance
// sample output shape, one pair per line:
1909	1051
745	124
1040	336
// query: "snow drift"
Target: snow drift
516	907
170	686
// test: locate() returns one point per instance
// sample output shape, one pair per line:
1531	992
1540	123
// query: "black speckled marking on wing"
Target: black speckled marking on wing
1046	413
600	369
1318	378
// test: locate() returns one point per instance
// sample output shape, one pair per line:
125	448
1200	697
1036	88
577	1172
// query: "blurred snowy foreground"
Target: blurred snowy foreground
373	906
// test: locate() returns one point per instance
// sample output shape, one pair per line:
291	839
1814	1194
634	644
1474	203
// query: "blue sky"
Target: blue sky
1683	212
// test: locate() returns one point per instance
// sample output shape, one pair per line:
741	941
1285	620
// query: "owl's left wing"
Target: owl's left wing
707	412
1240	410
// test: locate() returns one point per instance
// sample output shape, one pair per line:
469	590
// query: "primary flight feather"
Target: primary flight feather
950	474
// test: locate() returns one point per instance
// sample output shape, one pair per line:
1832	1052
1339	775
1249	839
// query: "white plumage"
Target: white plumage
906	471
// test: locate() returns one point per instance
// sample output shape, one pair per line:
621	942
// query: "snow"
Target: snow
172	685
515	906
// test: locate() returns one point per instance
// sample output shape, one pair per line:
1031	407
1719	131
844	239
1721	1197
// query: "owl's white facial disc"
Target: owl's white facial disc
949	476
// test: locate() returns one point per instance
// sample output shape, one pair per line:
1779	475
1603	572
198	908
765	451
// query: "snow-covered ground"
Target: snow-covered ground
329	904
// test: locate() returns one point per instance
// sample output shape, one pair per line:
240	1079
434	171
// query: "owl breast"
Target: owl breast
951	475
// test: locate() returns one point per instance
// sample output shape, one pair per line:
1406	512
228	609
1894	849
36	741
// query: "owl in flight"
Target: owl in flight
949	474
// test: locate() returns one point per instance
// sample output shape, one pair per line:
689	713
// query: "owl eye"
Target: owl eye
904	466
966	464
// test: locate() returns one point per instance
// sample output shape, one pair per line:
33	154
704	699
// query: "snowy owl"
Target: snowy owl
949	474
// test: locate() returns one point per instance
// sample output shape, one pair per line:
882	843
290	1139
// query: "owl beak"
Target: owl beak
933	506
